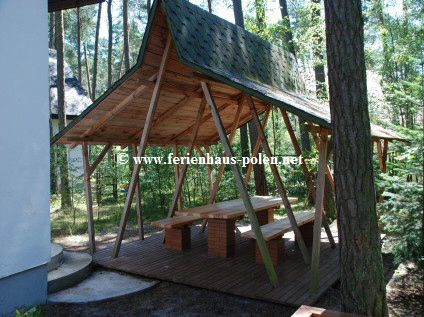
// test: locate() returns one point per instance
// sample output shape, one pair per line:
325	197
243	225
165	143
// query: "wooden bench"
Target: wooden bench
177	231
273	233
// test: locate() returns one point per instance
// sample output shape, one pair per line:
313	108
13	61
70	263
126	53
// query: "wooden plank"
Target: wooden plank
99	159
256	148
278	228
138	202
319	208
88	198
272	275
278	181
142	147
175	222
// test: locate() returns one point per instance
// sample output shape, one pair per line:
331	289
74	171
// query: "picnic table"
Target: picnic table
223	215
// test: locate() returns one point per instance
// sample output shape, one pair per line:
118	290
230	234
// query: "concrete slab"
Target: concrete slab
102	285
56	257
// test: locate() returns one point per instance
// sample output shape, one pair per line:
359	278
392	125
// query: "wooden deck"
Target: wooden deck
238	275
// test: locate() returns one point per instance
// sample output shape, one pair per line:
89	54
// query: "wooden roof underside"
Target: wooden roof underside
175	115
118	116
57	5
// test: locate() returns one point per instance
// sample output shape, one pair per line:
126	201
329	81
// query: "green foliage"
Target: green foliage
403	218
30	312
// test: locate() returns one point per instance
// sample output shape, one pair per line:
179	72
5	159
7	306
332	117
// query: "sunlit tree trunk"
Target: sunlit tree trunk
79	45
96	51
361	269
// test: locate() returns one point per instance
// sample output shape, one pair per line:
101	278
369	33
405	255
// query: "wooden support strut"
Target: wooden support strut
177	176
142	146
307	174
256	148
281	189
138	202
242	189
184	168
221	169
319	204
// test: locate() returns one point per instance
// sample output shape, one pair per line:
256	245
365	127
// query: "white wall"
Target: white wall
24	136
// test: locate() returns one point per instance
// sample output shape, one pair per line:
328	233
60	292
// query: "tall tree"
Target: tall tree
61	112
79	45
96	52
126	37
210	6
319	71
361	271
51	29
110	43
244	136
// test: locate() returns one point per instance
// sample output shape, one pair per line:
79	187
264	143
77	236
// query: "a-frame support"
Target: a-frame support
307	174
142	146
177	176
319	207
88	171
277	178
242	189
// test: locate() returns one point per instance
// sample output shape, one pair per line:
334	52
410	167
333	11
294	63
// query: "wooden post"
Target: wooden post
281	189
221	169
307	174
319	204
184	168
242	189
256	148
88	198
177	175
138	202
142	146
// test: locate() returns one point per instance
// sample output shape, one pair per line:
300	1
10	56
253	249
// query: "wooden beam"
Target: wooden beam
138	202
127	142
277	178
204	119
215	137
142	146
272	275
319	204
58	5
384	156
177	176
256	148
184	168
88	198
102	154
167	113
118	108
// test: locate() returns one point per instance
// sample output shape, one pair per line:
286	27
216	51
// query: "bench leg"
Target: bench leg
178	238
276	251
265	216
307	232
221	237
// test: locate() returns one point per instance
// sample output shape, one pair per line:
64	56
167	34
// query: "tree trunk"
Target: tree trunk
210	6
261	185
288	36
260	15
96	52
110	39
51	32
319	71
112	161
244	137
126	38
361	269
79	45
61	113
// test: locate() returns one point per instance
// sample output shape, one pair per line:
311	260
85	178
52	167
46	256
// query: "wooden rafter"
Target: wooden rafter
279	183
242	189
142	146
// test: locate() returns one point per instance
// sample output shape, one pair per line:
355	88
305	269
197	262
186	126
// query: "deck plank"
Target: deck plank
238	275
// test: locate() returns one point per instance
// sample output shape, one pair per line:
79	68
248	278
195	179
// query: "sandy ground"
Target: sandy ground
405	294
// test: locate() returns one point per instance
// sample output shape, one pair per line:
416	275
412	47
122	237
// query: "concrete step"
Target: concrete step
56	257
75	268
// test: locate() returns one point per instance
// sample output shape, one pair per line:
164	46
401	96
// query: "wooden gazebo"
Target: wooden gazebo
197	79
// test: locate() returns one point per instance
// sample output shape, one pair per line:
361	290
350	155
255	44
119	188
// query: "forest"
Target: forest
101	42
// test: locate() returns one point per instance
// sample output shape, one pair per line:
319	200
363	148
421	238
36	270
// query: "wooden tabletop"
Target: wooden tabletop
233	208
